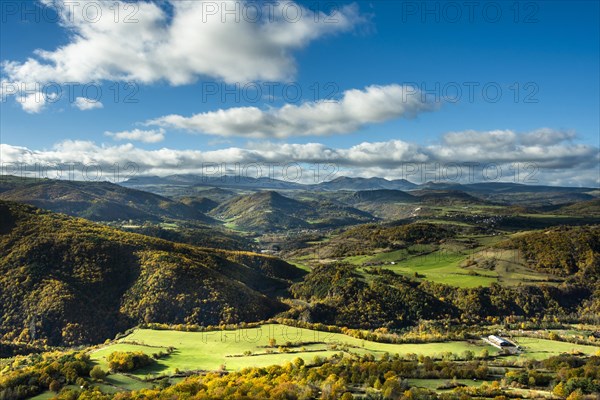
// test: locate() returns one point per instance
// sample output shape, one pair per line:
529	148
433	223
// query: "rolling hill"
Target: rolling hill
446	197
387	204
381	195
66	280
270	211
200	204
587	208
99	201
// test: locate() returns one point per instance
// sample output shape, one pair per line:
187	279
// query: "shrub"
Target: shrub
124	361
97	373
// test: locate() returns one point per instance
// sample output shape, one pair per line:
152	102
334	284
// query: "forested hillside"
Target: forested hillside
339	295
563	250
366	238
67	281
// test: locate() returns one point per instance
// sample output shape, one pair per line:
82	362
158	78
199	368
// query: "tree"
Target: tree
484	354
392	388
576	395
97	373
559	390
298	362
377	384
54	386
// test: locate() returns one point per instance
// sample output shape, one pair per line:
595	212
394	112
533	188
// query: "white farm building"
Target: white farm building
503	344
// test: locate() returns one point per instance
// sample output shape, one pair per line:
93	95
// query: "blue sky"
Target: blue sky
372	57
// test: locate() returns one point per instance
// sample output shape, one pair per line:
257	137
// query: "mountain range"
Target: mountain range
346	183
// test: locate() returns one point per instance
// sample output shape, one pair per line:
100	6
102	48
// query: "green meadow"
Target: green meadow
251	347
540	349
240	348
237	349
456	266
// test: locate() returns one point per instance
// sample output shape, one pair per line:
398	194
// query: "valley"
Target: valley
218	283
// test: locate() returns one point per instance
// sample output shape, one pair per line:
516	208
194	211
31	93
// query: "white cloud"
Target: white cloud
551	148
32	103
563	163
546	136
355	109
150	43
85	104
146	136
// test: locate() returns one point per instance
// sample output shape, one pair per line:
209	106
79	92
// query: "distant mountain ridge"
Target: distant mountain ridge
346	183
226	181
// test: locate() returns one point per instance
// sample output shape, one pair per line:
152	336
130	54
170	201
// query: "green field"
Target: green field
204	351
448	266
433	384
542	348
442	266
44	396
211	350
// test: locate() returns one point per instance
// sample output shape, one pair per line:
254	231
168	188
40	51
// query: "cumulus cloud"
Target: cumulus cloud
85	104
146	136
178	41
32	103
355	109
558	163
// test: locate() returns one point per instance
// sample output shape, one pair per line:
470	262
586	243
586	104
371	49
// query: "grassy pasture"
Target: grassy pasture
540	349
211	350
198	351
236	349
455	265
441	266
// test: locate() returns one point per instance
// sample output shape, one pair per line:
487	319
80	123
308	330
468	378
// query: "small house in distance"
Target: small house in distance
503	344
